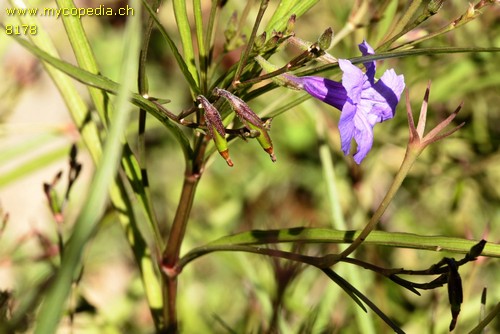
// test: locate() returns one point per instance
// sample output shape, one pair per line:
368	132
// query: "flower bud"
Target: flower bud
434	6
260	41
325	40
232	27
282	80
249	119
290	26
471	12
215	128
273	41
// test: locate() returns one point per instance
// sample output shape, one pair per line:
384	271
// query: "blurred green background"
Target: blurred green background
453	190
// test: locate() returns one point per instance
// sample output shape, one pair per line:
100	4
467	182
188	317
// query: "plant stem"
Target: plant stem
401	27
142	86
412	153
171	253
171	309
211	27
249	46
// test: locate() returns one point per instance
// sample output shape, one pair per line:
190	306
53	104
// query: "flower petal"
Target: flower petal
326	90
362	101
391	82
370	66
353	80
354	124
346	125
380	100
363	135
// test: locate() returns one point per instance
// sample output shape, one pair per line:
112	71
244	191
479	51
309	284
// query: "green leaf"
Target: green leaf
72	98
398	54
480	328
110	86
19	171
185	68
83	53
181	16
52	307
355	294
321	235
202	48
287	8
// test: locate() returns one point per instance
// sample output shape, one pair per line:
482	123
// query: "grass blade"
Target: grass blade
287	8
184	27
110	86
322	235
52	307
202	50
180	61
83	53
34	164
356	295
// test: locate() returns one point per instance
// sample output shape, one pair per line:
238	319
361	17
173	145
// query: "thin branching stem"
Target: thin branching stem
211	27
411	155
192	176
249	45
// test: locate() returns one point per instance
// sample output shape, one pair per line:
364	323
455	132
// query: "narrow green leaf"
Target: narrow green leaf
285	9
71	96
26	146
181	16
398	54
34	164
480	328
202	49
209	33
280	14
381	238
400	27
52	307
83	53
355	294
180	61
110	86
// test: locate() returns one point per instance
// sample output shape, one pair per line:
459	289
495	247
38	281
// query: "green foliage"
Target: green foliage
276	245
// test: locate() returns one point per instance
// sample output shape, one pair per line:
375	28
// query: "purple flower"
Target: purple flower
362	101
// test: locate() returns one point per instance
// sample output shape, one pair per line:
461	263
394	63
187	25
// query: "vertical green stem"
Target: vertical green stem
142	86
171	301
181	16
249	46
402	26
171	254
172	250
202	51
412	152
52	307
212	23
352	274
